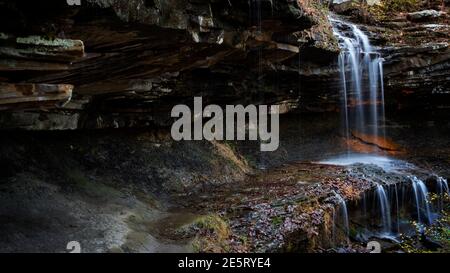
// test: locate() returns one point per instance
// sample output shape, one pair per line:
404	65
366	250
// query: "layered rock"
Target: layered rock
135	59
417	62
129	62
416	54
425	15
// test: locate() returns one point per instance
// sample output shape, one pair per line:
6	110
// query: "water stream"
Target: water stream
385	210
343	214
390	205
361	73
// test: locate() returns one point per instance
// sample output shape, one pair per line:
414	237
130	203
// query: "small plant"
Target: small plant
212	234
439	232
277	221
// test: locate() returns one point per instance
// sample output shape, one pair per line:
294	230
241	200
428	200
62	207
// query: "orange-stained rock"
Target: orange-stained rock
366	143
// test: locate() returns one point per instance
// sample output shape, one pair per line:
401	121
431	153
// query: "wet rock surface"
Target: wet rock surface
127	192
286	209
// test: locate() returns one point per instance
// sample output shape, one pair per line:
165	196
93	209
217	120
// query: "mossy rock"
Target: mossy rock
212	233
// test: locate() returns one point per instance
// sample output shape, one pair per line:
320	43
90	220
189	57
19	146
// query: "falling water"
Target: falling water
362	86
361	74
397	208
343	213
385	209
421	199
442	188
443	184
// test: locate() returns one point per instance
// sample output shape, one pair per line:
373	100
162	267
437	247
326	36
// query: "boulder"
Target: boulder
345	6
425	15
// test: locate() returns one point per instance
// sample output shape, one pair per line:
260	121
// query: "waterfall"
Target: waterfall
385	209
344	213
361	75
363	111
442	190
422	203
443	185
397	208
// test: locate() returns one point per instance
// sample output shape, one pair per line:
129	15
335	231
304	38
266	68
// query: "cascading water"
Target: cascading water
443	185
361	73
422	202
397	208
442	190
362	88
385	208
343	213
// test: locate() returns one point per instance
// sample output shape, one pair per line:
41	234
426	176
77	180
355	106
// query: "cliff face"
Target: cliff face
116	63
412	37
417	55
121	64
125	63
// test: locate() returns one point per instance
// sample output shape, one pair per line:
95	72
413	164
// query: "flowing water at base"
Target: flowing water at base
389	208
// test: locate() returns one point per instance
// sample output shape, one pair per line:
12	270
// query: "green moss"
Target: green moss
3	36
353	232
213	224
212	234
277	221
37	40
321	32
400	5
438	232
